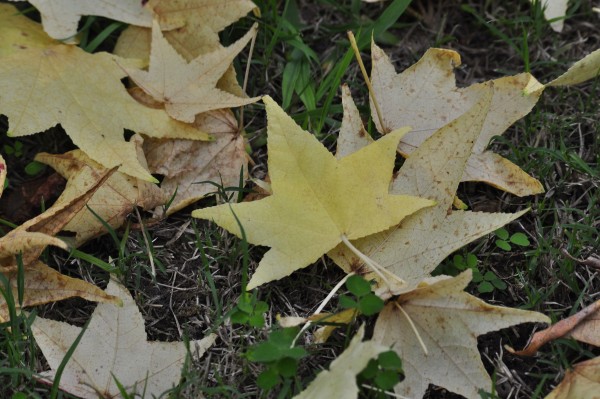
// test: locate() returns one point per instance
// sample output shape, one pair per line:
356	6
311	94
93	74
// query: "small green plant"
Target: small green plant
382	373
16	149
505	239
249	311
364	300
279	357
486	282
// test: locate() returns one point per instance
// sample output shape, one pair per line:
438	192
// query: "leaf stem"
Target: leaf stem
412	325
322	306
367	80
374	266
246	75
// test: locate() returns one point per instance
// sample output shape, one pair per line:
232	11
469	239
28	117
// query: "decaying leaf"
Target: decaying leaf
583	381
114	344
317	201
426	98
583	326
448	321
421	241
19	32
41	283
187	163
340	380
42	87
112	202
188	89
60	17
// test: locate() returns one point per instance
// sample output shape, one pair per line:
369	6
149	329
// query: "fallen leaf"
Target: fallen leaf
42	87
323	333
187	163
61	17
114	344
585	69
201	20
448	321
340	380
214	14
583	326
554	10
19	32
113	201
426	98
42	284
188	89
317	201
416	246
583	381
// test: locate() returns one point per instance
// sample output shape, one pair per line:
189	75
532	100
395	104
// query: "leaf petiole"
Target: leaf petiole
412	325
374	266
322	306
367	80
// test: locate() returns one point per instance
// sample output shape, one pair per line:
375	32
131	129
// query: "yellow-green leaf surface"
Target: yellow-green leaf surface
40	88
416	246
19	32
340	380
60	17
113	201
448	320
114	347
586	68
426	98
188	89
316	199
201	21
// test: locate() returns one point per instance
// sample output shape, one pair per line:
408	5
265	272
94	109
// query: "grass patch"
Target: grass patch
300	59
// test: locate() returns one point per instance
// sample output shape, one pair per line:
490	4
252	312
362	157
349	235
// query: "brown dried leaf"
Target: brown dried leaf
187	163
112	202
583	381
583	326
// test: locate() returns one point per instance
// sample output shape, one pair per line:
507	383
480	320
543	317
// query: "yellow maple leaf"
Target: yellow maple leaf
19	32
426	98
416	246
434	330
317	201
201	21
113	201
83	92
188	89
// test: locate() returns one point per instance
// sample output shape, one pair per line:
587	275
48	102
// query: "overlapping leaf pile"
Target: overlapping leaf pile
44	82
393	229
430	322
